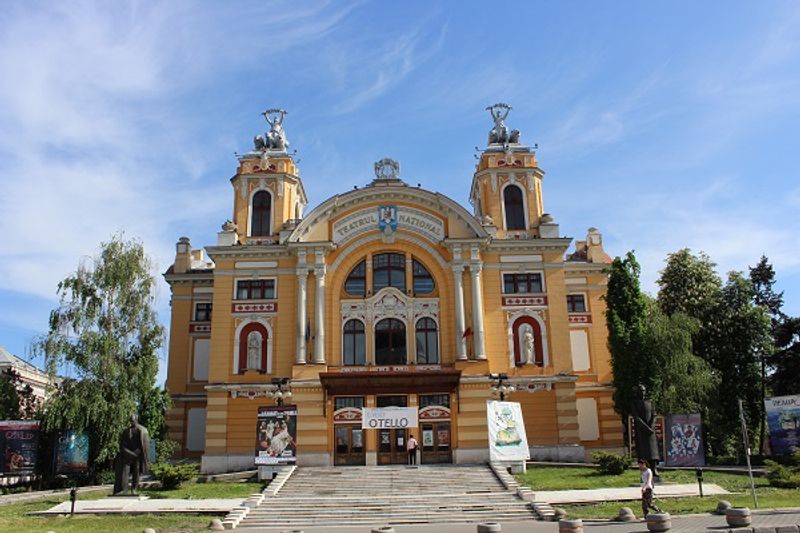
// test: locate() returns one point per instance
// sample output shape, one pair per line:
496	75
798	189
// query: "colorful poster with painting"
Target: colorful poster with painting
276	435
684	441
72	452
19	443
783	420
507	439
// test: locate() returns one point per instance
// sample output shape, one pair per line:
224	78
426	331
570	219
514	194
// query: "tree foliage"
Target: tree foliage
651	348
105	336
17	400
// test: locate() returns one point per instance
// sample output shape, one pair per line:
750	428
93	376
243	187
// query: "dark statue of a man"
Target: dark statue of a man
131	461
645	423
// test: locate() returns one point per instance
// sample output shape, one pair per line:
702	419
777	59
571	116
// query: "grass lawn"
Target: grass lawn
562	478
212	489
13	517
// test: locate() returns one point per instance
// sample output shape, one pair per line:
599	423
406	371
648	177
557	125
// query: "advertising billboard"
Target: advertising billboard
276	435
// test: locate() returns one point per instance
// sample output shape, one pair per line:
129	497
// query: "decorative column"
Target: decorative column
477	311
302	319
319	317
461	342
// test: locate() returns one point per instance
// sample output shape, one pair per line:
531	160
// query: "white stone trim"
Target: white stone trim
262	186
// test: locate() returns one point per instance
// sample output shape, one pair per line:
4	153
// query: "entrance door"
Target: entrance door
435	441
349	445
392	447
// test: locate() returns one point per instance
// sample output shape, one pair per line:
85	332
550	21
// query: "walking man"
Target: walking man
647	488
411	446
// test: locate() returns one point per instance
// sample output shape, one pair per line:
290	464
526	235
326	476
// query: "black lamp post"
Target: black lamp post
281	391
499	387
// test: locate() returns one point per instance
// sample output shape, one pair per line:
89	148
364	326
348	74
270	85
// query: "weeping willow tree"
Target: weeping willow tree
104	338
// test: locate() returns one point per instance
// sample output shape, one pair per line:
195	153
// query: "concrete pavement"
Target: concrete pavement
624	493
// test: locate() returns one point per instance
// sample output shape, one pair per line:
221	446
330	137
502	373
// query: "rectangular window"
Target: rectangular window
576	303
340	402
391	401
526	282
255	289
439	400
202	312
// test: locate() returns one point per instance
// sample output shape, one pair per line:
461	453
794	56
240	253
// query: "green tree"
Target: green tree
688	284
105	336
17	400
762	276
737	333
626	309
785	361
651	348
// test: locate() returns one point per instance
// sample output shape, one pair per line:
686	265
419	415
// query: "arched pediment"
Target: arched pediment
347	216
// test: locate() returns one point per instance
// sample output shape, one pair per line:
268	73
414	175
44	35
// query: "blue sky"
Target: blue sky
664	124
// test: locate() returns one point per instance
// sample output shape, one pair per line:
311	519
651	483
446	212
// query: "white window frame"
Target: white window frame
515	183
366	341
194	310
271	211
503	282
438	338
585	301
251	278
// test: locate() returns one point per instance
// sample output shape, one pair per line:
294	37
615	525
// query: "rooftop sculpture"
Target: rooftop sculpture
500	134
275	138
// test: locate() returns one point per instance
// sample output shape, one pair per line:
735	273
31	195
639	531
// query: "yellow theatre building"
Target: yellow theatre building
389	295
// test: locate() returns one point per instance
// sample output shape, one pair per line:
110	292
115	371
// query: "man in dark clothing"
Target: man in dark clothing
134	443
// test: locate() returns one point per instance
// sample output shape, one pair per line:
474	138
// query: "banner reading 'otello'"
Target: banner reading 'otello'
684	441
276	435
783	419
389	417
507	439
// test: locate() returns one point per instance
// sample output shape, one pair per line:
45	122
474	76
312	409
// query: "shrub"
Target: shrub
172	475
610	463
785	476
164	450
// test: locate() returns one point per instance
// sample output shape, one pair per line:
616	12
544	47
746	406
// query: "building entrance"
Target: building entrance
392	446
349	445
435	442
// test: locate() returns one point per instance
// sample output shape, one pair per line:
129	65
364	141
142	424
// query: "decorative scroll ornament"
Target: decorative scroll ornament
387	169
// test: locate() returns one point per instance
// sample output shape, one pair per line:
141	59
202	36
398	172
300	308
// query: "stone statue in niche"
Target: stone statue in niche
275	138
254	350
527	345
500	134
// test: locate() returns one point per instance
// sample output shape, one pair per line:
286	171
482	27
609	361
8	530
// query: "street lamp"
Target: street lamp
499	387
281	391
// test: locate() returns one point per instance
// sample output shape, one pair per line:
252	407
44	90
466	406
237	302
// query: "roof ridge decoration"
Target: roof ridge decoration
387	169
500	134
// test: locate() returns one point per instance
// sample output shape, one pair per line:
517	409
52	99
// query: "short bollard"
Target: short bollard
722	506
490	527
625	515
384	529
738	517
659	522
148	530
216	525
570	526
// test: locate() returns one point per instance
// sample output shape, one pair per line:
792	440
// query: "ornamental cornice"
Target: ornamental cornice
585	268
291	178
249	251
206	278
508	245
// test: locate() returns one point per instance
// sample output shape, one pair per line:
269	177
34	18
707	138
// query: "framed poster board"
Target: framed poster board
19	444
276	435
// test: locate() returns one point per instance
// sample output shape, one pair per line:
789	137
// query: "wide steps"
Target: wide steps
396	495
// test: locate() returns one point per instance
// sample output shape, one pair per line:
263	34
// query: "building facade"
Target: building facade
389	295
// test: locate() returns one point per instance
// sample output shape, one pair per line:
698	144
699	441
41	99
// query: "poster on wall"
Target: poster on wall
19	444
276	435
507	439
684	441
72	452
783	420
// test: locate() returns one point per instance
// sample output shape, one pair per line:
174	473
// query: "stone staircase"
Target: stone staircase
388	495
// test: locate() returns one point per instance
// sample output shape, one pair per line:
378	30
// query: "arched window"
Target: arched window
427	342
261	215
390	342
389	270
356	283
253	348
528	346
354	347
423	281
514	206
